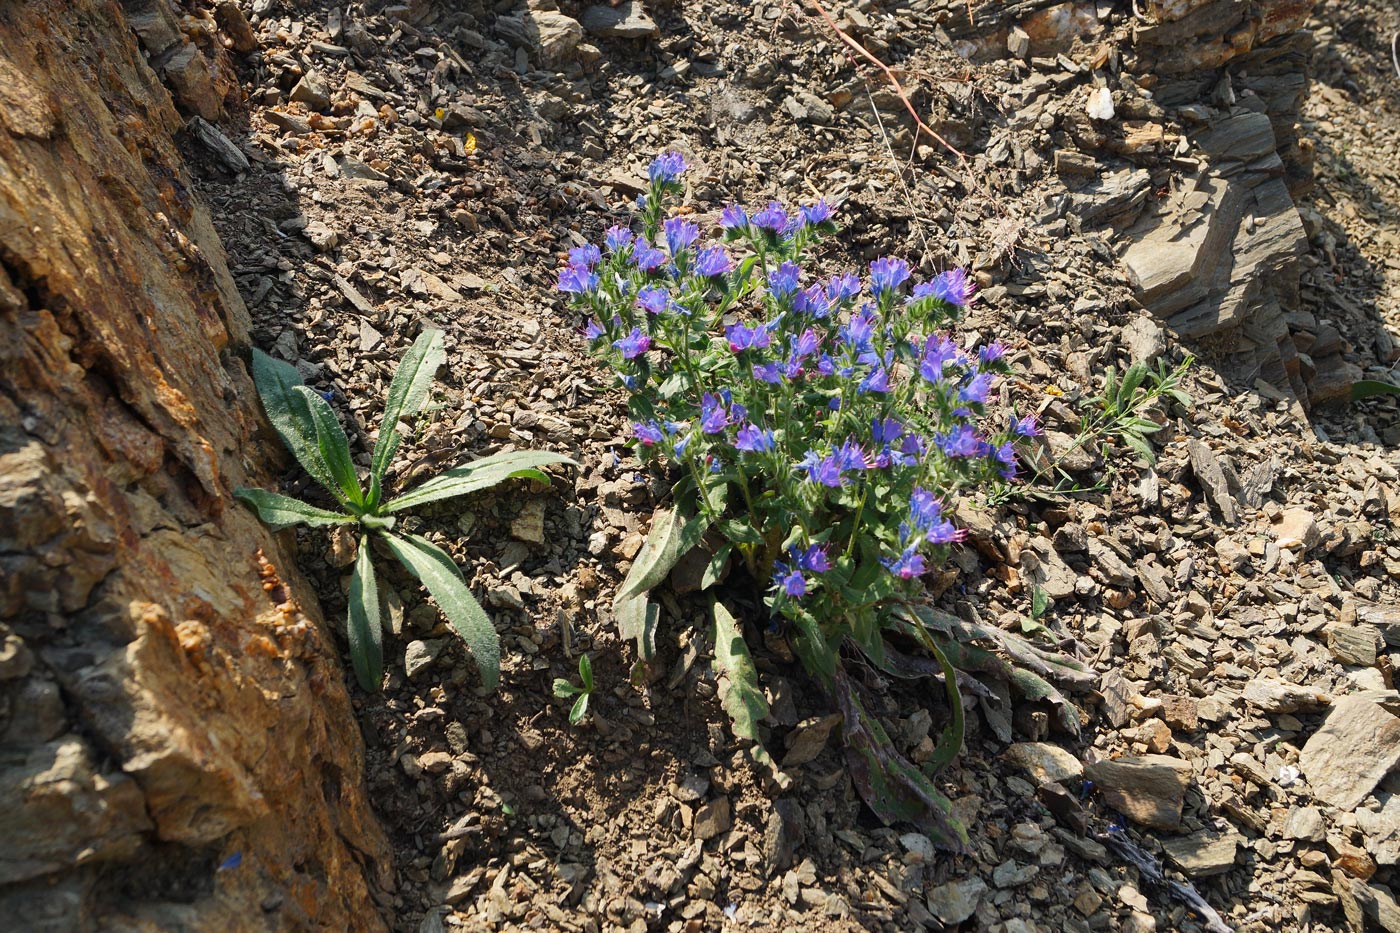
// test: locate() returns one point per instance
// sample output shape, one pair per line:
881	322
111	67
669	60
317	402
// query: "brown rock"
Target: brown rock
713	819
1297	531
1204	853
1149	790
1347	757
1045	763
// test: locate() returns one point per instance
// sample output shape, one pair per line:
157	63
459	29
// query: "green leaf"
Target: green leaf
585	672
739	692
740	532
1140	446
579	710
1131	380
1040	601
563	689
892	787
667	542
715	568
334	447
363	627
407	393
478	475
279	511
1366	388
637	618
290	416
444	582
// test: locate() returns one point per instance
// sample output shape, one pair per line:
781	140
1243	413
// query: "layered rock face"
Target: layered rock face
179	752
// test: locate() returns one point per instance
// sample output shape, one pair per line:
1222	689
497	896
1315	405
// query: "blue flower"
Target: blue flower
953	287
886	431
733	217
713	417
976	389
908	565
712	261
814	559
667	167
771	373
842	287
653	299
592	330
754	439
813	302
772	218
634	344
673	428
617	238
939	351
783	281
741	337
924	508
817	213
1005	455
963	441
789	580
805	344
857	334
851	456
824	470
648	258
991	352
587	256
887	273
648	432
577	280
680	233
1028	426
877	380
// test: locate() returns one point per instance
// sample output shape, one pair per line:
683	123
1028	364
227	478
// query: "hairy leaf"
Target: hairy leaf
579	710
277	382
892	787
667	542
334	447
637	618
444	582
478	475
407	393
1366	388
715	568
278	511
564	689
739	692
363	628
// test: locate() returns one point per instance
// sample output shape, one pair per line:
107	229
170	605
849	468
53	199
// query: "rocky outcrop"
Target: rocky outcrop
179	751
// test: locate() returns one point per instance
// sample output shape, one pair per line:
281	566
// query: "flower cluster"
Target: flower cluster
822	420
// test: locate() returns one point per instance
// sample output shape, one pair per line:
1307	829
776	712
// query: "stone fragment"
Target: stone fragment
322	236
1231	554
220	145
528	524
1149	790
1045	763
1145	339
1357	645
556	35
1345	759
1277	696
311	90
713	819
1204	853
627	20
1212	479
419	655
1306	824
1012	874
809	739
1297	531
1180	713
231	19
1018	43
190	77
954	902
287	122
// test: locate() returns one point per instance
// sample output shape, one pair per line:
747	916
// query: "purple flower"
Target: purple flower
814	559
648	432
653	300
976	389
783	280
790	580
858	332
924	508
1028	426
939	351
712	261
634	344
742	338
754	439
953	287
812	301
772	218
577	280
648	258
887	273
617	238
771	373
680	233
991	352
886	431
713	417
733	217
944	532
674	428
587	256
824	470
963	441
851	456
666	167
592	330
817	213
908	565
841	287
805	344
877	380
1006	456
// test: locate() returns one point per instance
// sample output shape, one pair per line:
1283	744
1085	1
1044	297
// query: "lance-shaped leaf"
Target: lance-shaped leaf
480	474
279	511
333	446
363	627
290	415
637	618
892	787
1366	388
739	692
407	392
445	583
667	542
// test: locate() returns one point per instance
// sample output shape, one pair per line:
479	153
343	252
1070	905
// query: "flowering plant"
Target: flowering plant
820	423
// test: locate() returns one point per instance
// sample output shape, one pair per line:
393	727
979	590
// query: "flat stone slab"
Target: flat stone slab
1348	756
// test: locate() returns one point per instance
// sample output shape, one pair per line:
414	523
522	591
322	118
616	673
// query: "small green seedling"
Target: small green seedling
563	689
308	426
